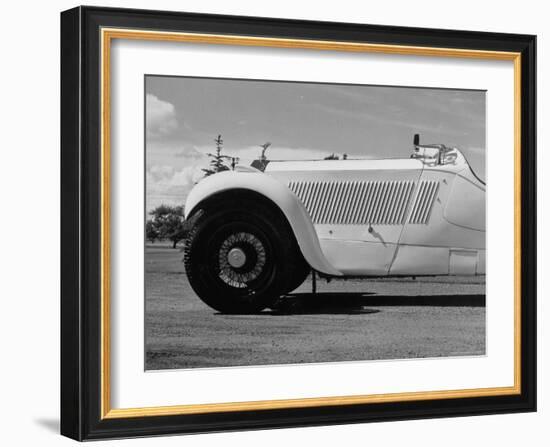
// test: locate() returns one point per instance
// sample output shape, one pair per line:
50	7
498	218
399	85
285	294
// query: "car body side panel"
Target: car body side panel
452	239
279	194
480	268
437	231
463	262
358	214
359	258
343	203
466	204
418	260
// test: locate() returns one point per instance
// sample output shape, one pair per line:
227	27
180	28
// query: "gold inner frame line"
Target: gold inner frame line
107	35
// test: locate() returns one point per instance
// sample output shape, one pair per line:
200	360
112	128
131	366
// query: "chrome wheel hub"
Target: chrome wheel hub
236	258
241	259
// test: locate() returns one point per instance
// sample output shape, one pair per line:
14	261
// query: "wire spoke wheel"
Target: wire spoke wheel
239	258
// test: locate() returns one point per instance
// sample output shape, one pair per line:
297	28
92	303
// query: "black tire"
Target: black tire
258	235
299	274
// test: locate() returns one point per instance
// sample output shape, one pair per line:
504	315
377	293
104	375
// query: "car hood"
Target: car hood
344	165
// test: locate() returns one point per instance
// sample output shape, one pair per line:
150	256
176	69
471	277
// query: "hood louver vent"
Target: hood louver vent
357	202
423	202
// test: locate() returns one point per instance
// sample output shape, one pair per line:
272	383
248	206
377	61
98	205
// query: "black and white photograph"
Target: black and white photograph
298	222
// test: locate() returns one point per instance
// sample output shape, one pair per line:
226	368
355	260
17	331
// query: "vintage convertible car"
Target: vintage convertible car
257	235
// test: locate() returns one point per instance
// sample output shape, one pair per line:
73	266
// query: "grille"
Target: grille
423	202
355	202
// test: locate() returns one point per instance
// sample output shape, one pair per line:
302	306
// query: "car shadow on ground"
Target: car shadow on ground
361	303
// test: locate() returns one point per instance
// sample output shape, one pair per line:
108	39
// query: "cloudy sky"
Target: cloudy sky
301	120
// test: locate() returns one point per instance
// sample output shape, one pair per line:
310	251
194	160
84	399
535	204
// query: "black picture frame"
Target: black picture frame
81	208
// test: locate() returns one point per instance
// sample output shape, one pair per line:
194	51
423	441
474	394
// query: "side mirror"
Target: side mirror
416	139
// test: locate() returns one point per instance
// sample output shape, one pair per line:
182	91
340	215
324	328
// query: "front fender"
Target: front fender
292	208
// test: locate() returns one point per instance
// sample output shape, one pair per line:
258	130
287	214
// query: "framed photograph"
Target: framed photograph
276	223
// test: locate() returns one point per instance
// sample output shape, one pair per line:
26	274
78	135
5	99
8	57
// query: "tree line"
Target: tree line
167	223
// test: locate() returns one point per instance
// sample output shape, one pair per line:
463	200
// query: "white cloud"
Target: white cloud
160	117
170	185
159	173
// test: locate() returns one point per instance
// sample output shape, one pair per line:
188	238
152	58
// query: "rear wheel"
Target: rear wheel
240	257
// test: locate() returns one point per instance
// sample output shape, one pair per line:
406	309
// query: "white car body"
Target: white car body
423	215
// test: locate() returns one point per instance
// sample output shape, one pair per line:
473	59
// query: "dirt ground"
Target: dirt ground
344	321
